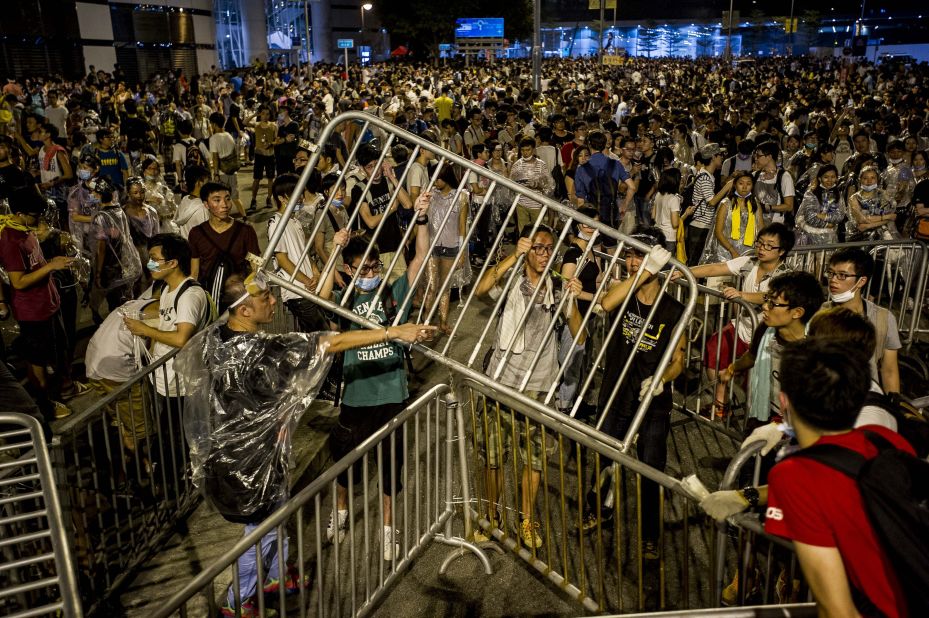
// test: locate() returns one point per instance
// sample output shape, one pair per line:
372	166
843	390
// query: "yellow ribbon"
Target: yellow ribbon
8	221
749	239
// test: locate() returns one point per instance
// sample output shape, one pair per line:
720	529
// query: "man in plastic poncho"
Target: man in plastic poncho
252	388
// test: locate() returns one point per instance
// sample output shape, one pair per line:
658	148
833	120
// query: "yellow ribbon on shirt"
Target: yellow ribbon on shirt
8	221
737	223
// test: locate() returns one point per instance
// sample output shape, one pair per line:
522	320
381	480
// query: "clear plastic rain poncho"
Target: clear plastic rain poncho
249	395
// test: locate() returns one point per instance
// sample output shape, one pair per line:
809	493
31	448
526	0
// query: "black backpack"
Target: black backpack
687	195
602	192
912	425
894	488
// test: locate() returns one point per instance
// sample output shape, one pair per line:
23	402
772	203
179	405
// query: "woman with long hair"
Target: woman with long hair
666	208
448	224
738	220
579	157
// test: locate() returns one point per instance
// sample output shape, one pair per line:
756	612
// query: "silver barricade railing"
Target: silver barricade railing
470	337
121	468
766	568
36	567
348	575
602	562
898	282
792	610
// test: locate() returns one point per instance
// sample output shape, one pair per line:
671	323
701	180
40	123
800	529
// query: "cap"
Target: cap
710	150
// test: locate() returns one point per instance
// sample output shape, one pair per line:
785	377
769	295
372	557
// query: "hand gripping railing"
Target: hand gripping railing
338	573
468	349
37	574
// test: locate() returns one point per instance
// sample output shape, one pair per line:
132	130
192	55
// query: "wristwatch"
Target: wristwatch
751	496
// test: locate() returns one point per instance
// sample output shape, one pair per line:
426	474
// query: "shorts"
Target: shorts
231	181
357	424
529	450
42	343
264	164
445	252
723	341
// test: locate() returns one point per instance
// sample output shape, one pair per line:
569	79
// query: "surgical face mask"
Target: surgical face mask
919	168
743	196
810	145
869	187
84	174
743	157
842	297
338	203
135	154
151	177
368	284
152	265
583	235
895	161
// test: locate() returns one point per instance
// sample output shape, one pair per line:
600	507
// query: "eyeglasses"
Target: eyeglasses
831	274
543	249
766	246
370	269
768	301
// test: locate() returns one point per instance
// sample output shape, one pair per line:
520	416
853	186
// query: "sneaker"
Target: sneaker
589	522
650	550
61	410
248	609
391	549
292	583
528	532
343	525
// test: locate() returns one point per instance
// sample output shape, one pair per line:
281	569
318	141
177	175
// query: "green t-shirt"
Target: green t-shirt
375	374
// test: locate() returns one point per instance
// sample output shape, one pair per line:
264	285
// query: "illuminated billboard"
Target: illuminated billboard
479	28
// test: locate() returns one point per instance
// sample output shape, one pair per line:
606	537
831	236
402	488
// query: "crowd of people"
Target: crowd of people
125	198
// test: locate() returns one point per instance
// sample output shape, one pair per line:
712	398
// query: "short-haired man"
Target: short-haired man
223	147
774	188
849	271
219	245
243	484
190	211
600	170
823	386
519	348
531	171
113	163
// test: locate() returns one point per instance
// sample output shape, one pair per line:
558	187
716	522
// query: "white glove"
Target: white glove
656	259
721	504
647	383
769	434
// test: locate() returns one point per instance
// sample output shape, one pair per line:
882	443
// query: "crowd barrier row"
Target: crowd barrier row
37	574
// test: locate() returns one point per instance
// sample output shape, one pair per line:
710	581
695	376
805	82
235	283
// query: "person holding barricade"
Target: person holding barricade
531	304
772	245
248	392
374	376
642	337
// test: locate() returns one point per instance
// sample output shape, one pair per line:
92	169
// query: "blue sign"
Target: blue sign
346	43
479	28
444	47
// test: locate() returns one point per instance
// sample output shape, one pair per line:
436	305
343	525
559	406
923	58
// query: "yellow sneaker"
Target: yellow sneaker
529	533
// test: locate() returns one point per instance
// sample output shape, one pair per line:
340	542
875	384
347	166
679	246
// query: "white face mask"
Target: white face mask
843	297
869	187
583	235
895	161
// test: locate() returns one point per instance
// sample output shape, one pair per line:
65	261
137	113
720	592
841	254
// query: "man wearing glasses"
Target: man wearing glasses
774	187
755	272
519	339
374	376
848	273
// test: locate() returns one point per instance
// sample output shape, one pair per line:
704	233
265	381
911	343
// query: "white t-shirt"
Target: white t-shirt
114	353
747	267
193	307
665	204
293	242
874	415
418	177
190	213
222	144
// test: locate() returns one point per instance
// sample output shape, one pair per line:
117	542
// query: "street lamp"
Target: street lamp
367	6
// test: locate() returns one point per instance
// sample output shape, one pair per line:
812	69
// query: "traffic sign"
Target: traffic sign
444	47
346	43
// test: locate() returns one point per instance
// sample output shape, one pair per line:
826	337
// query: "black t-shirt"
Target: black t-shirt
653	345
378	200
11	177
136	129
588	275
921	193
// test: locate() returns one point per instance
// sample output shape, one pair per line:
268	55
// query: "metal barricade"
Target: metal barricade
36	569
605	561
121	468
348	576
469	334
766	568
898	283
792	610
